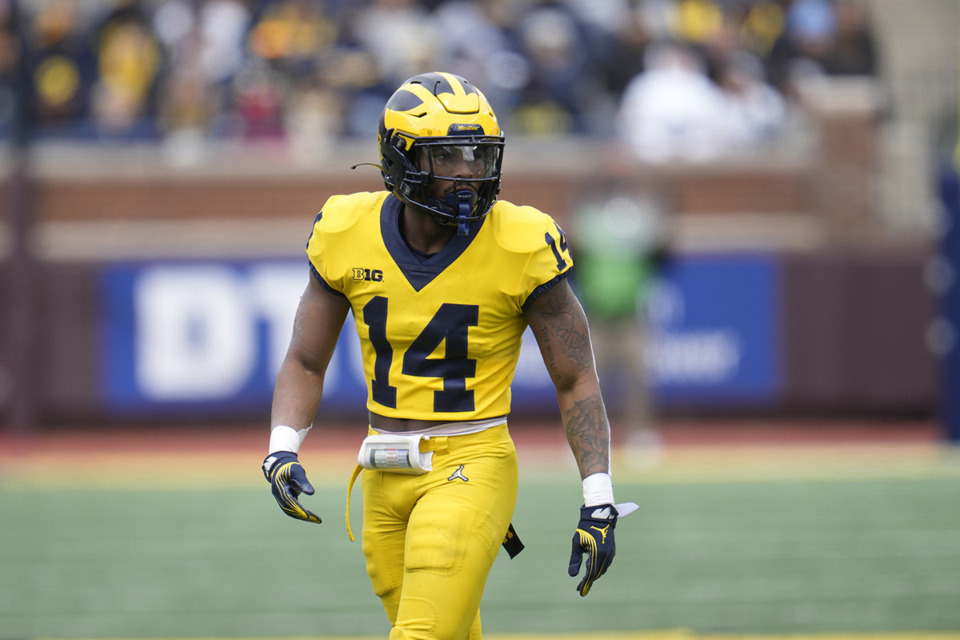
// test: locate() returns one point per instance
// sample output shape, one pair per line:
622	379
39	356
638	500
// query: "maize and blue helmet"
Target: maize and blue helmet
438	126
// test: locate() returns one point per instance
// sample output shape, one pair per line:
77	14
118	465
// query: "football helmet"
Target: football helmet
438	126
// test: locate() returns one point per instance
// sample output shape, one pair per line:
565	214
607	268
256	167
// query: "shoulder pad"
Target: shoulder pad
520	229
342	211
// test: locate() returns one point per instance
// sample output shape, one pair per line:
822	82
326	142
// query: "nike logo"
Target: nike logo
459	474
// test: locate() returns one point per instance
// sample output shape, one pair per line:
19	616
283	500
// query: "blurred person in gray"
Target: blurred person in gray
755	112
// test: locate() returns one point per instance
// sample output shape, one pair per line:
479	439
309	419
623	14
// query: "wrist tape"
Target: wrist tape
597	489
284	438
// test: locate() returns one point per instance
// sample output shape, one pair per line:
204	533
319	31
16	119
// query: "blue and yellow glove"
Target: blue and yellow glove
287	481
593	537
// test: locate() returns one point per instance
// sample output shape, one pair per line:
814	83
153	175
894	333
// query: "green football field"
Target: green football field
858	544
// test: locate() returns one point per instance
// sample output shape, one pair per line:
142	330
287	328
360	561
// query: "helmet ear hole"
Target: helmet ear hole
393	160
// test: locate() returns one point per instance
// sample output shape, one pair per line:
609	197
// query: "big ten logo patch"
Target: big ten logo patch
368	275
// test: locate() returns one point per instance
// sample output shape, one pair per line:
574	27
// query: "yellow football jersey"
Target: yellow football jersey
440	336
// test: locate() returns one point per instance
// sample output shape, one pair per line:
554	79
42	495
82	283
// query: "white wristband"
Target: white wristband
284	438
597	489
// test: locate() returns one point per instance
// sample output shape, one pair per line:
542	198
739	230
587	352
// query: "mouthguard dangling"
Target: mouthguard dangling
464	203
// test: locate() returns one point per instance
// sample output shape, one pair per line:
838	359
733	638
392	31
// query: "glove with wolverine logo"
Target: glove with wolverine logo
287	481
593	537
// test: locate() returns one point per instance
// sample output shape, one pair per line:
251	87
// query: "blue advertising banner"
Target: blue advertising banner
208	337
948	326
715	323
201	336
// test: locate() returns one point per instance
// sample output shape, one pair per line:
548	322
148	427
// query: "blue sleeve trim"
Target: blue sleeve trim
313	228
542	289
316	274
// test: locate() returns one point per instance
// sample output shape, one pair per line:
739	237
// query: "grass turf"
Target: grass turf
746	557
755	554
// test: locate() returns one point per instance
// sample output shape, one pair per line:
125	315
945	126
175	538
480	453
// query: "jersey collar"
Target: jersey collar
419	271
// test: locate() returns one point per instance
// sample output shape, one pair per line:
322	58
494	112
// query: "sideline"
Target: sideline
167	458
67	468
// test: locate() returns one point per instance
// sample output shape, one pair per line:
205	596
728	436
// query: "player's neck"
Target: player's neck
423	233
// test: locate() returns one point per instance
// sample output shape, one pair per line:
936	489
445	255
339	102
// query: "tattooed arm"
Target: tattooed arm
558	322
560	326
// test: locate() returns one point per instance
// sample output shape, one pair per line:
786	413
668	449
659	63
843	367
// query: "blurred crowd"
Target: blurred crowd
695	75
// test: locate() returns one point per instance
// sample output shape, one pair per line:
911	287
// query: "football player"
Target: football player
442	279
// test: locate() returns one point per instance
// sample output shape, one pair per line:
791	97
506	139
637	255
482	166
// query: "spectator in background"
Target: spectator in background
62	70
697	21
204	43
186	109
853	50
660	17
823	38
352	73
292	34
392	39
241	69
563	94
548	101
761	24
9	59
399	36
672	111
721	45
627	50
258	98
621	236
312	117
128	63
755	111
296	38
188	104
223	25
479	40
800	49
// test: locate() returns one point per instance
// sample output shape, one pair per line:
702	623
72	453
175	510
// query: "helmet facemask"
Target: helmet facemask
472	166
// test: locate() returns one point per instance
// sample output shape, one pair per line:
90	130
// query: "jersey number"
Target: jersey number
561	263
449	325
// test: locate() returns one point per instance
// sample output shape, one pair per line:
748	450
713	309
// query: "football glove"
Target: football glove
593	537
287	481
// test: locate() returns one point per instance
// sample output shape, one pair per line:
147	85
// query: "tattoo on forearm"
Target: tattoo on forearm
567	323
588	434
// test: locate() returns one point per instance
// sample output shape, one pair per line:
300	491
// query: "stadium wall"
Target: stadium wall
820	332
165	290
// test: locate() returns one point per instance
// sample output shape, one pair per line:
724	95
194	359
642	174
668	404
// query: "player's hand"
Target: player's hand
593	537
287	481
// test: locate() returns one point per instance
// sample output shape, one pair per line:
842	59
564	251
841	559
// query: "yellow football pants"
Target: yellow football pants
430	540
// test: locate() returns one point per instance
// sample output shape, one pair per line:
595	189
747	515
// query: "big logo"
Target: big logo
368	275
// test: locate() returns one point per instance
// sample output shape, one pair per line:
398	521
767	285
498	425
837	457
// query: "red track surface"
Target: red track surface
672	433
202	455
